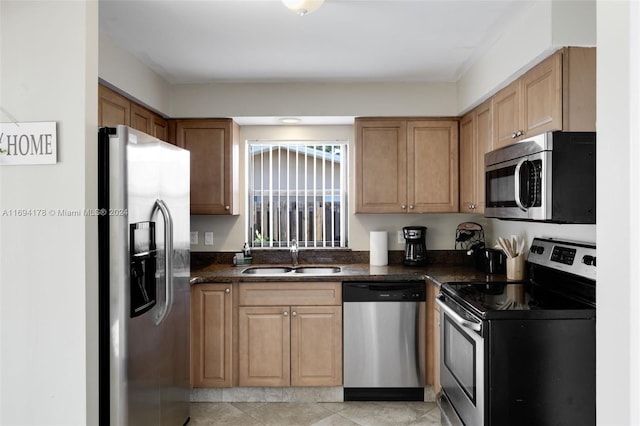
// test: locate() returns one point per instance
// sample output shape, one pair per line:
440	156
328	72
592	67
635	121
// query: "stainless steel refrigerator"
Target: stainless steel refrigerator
143	219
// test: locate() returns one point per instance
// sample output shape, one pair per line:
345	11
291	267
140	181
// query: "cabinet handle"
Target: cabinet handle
226	290
227	207
411	206
294	314
470	206
404	206
514	135
285	313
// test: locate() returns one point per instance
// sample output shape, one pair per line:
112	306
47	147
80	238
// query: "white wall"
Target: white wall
127	74
48	267
307	99
618	204
540	29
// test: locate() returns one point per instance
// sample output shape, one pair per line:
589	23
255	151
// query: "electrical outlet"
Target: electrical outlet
400	237
208	238
194	238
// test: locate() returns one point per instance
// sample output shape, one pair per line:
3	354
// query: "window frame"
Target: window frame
306	148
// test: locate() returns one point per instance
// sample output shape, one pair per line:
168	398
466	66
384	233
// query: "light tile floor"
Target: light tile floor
315	414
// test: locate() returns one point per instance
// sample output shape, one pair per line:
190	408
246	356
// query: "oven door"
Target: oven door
462	361
519	188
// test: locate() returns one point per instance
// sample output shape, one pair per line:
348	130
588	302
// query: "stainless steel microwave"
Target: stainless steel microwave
550	177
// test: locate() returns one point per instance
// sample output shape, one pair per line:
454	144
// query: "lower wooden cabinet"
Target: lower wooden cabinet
264	355
316	346
211	335
290	345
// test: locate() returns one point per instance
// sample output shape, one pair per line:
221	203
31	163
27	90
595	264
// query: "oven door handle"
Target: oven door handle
475	326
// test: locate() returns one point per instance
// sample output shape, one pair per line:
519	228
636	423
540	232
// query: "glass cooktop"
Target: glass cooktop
508	300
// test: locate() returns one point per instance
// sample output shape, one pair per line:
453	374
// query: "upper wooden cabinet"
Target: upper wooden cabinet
406	165
475	141
557	94
149	122
213	144
114	109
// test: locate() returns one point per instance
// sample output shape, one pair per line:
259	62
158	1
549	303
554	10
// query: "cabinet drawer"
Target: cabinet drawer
278	294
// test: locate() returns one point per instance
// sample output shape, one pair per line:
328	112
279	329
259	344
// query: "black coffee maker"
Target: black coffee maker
415	252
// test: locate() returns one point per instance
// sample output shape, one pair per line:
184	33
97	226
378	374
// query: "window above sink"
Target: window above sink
297	190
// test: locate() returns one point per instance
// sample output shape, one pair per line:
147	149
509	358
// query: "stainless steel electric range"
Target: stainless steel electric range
522	352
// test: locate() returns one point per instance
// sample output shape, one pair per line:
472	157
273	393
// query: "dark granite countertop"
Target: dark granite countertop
220	273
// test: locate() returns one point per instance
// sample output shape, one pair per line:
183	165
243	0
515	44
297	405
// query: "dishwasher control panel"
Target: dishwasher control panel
386	291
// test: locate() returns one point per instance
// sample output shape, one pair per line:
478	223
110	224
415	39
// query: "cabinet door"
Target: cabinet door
432	166
211	331
141	118
506	115
160	128
264	343
381	164
213	175
542	97
113	108
483	144
316	346
468	170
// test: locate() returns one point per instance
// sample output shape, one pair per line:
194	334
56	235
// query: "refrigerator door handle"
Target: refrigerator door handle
168	260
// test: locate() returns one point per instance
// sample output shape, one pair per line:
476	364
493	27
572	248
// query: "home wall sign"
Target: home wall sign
28	143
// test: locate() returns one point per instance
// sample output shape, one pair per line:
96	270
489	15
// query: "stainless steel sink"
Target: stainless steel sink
267	270
317	270
306	270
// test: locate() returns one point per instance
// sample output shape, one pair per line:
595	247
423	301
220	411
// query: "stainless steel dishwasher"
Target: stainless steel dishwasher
384	340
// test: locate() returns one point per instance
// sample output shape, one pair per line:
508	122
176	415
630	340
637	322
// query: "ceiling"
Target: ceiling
344	41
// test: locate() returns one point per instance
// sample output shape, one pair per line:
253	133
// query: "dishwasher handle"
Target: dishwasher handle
475	326
383	292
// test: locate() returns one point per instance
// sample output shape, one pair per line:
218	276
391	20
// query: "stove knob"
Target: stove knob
589	260
537	249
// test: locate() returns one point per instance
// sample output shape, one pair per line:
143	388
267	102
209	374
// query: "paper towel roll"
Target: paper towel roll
378	252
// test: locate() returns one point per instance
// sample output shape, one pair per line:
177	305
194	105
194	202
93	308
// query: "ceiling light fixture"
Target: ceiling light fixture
290	120
302	7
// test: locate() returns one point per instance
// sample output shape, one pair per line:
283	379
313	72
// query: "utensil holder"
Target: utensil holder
515	267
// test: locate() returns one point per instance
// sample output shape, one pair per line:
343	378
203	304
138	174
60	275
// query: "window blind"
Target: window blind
297	190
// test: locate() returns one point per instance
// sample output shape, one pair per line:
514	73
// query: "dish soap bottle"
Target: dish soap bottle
246	251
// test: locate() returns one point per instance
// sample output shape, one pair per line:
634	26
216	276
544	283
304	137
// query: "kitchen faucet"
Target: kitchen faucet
294	252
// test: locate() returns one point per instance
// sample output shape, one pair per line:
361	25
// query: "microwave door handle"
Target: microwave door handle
457	318
517	188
